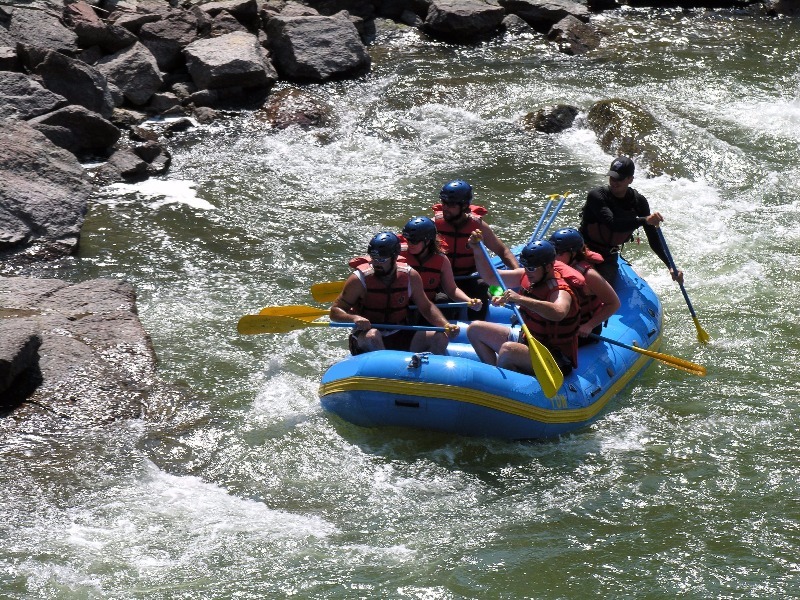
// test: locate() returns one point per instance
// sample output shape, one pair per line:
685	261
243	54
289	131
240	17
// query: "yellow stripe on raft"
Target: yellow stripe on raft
492	401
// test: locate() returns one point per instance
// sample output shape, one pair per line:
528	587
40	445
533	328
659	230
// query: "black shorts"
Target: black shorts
398	340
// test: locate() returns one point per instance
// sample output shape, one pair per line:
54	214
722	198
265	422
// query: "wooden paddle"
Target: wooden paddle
252	324
702	336
543	364
672	361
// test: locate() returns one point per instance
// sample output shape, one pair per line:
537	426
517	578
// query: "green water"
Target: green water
687	487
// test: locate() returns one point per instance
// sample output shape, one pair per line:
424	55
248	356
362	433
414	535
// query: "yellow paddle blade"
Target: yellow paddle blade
306	313
251	324
702	336
544	365
327	291
673	361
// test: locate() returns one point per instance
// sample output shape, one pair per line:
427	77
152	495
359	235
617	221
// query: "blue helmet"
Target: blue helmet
567	240
384	245
537	254
419	229
456	191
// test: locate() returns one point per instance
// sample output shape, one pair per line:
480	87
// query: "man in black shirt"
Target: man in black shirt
612	213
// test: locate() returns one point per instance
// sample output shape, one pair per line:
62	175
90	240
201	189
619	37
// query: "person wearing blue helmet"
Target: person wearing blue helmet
548	305
597	298
456	218
380	291
612	213
424	254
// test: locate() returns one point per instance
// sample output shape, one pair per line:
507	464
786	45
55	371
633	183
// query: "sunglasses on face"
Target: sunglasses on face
381	259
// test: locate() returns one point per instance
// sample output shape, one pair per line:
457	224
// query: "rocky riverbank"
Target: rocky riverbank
79	78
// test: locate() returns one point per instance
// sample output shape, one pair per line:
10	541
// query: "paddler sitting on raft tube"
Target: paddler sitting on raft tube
456	218
424	253
548	305
380	291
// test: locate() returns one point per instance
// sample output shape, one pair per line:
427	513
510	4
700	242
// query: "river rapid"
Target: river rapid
686	487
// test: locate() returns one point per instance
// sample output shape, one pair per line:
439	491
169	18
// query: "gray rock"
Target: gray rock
573	36
292	106
134	71
19	341
316	48
9	61
23	98
76	81
167	38
42	30
543	14
44	195
95	360
92	31
551	119
88	131
232	60
463	20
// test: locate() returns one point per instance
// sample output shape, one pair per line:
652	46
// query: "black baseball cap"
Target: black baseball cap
621	168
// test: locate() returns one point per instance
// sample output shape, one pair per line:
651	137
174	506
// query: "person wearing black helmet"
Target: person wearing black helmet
380	291
424	254
456	218
546	302
612	213
598	300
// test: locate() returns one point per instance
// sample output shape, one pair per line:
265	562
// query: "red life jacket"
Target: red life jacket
577	282
430	271
582	266
555	334
384	303
454	241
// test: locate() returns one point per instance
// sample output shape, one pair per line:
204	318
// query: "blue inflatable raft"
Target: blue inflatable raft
459	394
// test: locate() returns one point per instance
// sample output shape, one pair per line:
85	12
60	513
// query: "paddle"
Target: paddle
539	232
312	313
553	216
328	291
672	361
251	324
542	362
702	336
547	206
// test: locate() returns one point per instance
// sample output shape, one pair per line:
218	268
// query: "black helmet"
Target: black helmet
537	254
456	191
567	240
419	229
384	245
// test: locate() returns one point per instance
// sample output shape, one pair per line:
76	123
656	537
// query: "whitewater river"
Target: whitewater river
687	487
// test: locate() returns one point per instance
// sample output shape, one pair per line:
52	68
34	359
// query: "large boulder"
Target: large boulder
463	20
134	71
316	48
232	60
23	98
543	14
19	341
41	30
167	38
44	195
76	81
573	36
78	130
93	31
95	363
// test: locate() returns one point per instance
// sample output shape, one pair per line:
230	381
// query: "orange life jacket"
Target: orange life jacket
582	266
577	282
454	240
430	271
555	334
384	303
